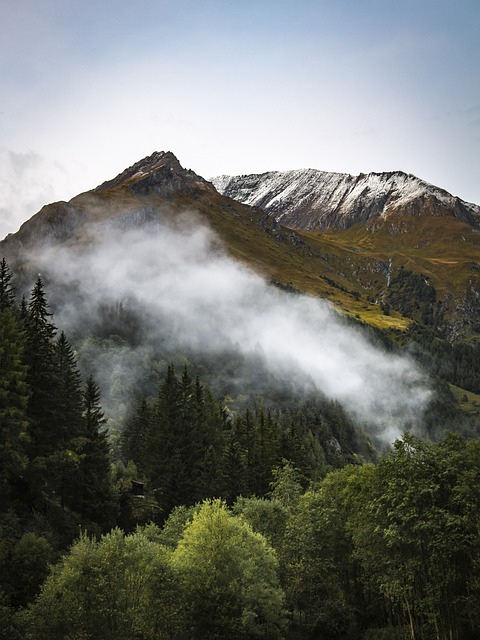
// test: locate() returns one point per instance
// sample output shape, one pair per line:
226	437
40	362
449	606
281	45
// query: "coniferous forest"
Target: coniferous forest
212	517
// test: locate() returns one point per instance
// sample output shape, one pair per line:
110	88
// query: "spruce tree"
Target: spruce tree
68	407
7	293
14	395
96	504
134	436
39	356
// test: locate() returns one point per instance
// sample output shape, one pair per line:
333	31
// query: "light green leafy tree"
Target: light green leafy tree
229	578
120	588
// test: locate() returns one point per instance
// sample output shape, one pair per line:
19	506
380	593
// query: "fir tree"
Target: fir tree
14	394
96	503
7	293
68	406
40	358
134	436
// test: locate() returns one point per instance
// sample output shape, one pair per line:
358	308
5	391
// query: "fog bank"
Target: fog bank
192	294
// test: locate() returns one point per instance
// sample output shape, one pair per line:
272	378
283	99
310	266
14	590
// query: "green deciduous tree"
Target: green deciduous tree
229	578
120	588
416	534
315	560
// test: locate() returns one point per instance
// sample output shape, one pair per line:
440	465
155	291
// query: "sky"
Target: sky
89	88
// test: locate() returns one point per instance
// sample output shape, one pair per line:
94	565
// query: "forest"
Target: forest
213	517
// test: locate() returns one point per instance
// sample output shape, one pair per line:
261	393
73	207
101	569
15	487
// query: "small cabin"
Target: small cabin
138	488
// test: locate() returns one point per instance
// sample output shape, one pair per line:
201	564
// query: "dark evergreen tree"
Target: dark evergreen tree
96	502
234	471
14	394
134	436
67	404
42	378
7	293
181	437
267	450
163	465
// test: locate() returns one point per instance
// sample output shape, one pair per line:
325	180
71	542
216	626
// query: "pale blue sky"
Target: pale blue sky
88	88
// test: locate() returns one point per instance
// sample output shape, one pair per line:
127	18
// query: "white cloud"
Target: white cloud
186	287
27	182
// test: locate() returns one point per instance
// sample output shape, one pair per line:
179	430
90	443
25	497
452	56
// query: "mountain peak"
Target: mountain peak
160	172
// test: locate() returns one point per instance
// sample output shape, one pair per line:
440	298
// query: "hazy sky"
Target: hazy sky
88	88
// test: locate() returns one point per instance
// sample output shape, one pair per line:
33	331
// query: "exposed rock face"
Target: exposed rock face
308	199
159	174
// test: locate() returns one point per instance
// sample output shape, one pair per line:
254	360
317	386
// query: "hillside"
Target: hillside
391	238
217	454
158	186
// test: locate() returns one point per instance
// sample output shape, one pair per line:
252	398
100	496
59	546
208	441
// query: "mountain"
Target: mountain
386	248
308	199
128	199
392	238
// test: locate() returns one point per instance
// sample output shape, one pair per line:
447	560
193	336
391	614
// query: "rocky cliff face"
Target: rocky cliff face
308	199
160	174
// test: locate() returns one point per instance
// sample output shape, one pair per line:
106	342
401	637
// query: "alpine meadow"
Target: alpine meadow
241	407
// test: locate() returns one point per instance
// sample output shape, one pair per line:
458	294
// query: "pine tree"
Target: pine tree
7	294
162	463
14	394
96	503
134	436
234	472
40	358
267	450
68	407
183	442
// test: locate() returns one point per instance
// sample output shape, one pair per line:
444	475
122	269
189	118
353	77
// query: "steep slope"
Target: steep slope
389	247
158	187
308	199
391	237
130	198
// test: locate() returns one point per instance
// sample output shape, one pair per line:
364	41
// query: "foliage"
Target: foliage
229	578
315	544
121	588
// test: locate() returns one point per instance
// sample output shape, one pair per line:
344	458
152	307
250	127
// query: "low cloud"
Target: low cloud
27	182
186	287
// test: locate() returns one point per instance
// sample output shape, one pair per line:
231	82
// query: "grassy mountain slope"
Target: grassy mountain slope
387	272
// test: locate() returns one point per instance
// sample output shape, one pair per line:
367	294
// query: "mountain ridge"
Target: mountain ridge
308	199
374	238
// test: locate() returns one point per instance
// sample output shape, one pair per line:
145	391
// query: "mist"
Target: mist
27	181
192	295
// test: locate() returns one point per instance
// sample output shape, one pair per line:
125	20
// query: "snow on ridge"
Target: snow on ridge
286	193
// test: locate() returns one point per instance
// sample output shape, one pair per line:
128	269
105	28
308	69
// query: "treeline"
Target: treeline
455	362
373	552
187	445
